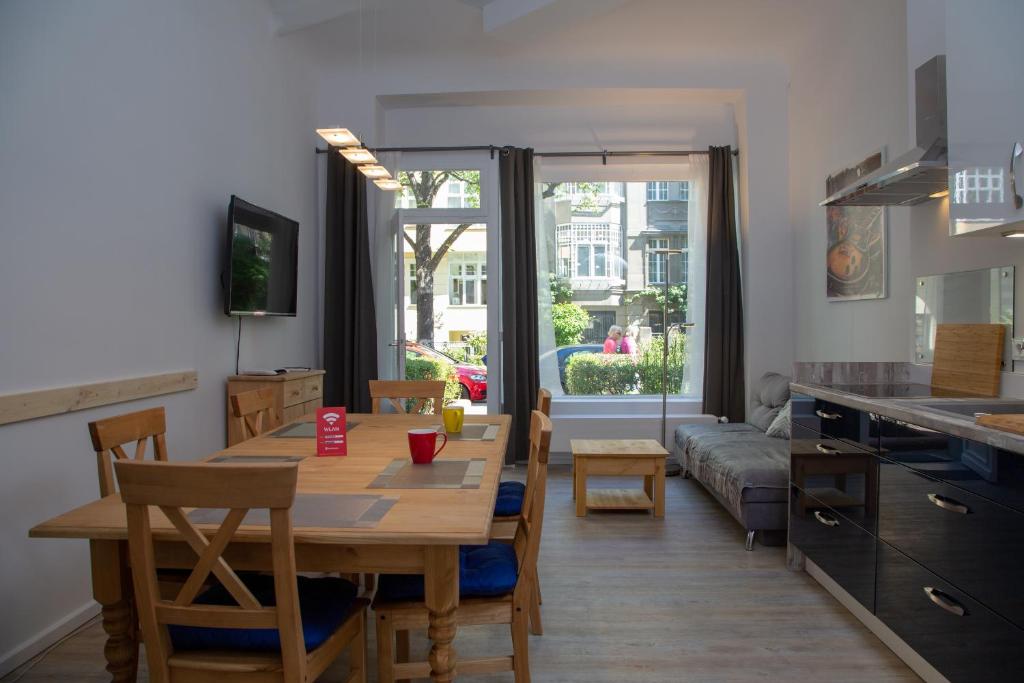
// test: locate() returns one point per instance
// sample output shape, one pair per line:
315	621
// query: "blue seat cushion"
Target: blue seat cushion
484	571
324	603
510	499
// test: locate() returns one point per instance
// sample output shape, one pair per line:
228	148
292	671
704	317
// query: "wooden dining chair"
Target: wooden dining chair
495	587
252	410
110	435
512	496
264	628
398	392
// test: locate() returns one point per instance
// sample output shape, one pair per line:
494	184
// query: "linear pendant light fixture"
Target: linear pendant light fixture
356	153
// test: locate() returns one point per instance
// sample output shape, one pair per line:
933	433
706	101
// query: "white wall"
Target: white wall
732	46
853	91
849	98
124	129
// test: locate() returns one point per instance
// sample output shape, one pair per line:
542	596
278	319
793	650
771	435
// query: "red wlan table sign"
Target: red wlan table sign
331	432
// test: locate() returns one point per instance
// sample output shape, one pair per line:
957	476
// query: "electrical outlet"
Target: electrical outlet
1017	348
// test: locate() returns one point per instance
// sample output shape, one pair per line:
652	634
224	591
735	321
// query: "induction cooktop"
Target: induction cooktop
900	390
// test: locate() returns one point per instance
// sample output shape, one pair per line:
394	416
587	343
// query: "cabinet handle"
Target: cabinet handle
945	601
822	448
827	521
1018	150
827	416
948	503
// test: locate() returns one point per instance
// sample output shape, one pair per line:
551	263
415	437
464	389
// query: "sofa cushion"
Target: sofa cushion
733	463
691	431
767	397
780	428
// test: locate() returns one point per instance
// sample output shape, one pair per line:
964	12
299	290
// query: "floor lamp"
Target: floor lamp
664	346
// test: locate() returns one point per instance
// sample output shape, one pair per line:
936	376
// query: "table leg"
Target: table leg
112	588
441	578
580	479
659	489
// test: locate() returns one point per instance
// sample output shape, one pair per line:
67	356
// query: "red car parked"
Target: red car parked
473	378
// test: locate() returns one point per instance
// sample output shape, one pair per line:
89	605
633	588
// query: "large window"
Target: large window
608	250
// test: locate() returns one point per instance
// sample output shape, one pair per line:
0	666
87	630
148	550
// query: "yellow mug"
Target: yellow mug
453	416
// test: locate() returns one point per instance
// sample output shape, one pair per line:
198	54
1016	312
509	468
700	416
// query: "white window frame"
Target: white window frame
650	258
587	235
461	260
660	191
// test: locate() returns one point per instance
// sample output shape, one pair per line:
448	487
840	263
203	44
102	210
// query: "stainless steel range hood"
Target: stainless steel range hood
922	172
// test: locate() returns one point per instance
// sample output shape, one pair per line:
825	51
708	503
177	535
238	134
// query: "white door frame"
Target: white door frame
487	214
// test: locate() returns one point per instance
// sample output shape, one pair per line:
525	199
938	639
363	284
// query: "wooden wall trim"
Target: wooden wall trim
33	404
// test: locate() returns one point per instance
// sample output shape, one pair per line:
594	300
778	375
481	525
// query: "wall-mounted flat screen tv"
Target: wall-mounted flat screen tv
262	261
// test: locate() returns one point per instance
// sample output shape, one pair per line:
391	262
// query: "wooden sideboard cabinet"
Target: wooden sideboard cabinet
295	395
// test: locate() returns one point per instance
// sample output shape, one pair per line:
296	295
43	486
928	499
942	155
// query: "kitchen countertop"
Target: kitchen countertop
915	411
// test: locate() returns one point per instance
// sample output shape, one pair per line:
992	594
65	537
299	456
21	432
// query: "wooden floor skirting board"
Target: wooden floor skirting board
51	635
42	403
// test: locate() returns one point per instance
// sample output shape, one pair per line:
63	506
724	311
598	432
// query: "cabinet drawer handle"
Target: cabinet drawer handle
945	601
827	416
1016	151
827	521
948	503
822	448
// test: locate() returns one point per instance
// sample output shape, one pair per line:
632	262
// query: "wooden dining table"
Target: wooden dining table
419	534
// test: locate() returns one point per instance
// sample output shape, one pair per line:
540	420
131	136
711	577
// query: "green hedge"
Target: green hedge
425	368
594	374
599	374
649	360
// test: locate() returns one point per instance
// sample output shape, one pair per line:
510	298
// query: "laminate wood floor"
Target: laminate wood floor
630	598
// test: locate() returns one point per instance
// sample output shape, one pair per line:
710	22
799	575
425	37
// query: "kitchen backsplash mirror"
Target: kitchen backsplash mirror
972	296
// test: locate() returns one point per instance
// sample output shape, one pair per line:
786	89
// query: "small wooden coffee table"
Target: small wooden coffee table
619	457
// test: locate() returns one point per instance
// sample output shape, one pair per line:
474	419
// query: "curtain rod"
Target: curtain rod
604	154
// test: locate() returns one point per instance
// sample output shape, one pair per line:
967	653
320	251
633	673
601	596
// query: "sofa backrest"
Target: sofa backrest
767	397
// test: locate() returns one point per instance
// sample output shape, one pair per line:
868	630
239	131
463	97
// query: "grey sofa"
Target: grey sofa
746	470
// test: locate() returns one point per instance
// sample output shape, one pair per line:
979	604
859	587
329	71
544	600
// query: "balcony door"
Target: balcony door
445	242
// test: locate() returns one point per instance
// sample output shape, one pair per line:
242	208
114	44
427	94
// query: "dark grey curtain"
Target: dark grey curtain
723	331
520	378
350	324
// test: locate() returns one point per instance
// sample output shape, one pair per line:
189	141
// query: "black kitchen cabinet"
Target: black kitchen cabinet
970	541
836	543
957	635
835	421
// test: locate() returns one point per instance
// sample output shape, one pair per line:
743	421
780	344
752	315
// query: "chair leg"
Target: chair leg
536	625
520	645
385	650
750	539
357	660
402	650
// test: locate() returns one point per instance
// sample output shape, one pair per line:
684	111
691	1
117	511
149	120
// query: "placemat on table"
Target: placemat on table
329	510
257	458
472	432
303	430
402	473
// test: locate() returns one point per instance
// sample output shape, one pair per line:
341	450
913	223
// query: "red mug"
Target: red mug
422	443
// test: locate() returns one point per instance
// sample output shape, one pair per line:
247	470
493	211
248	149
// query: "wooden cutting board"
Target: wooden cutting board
968	358
1008	423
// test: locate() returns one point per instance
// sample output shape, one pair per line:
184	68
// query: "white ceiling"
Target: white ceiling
495	16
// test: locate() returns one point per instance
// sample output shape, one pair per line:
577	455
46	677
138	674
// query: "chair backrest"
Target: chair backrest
110	435
252	410
531	519
544	401
397	391
236	489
